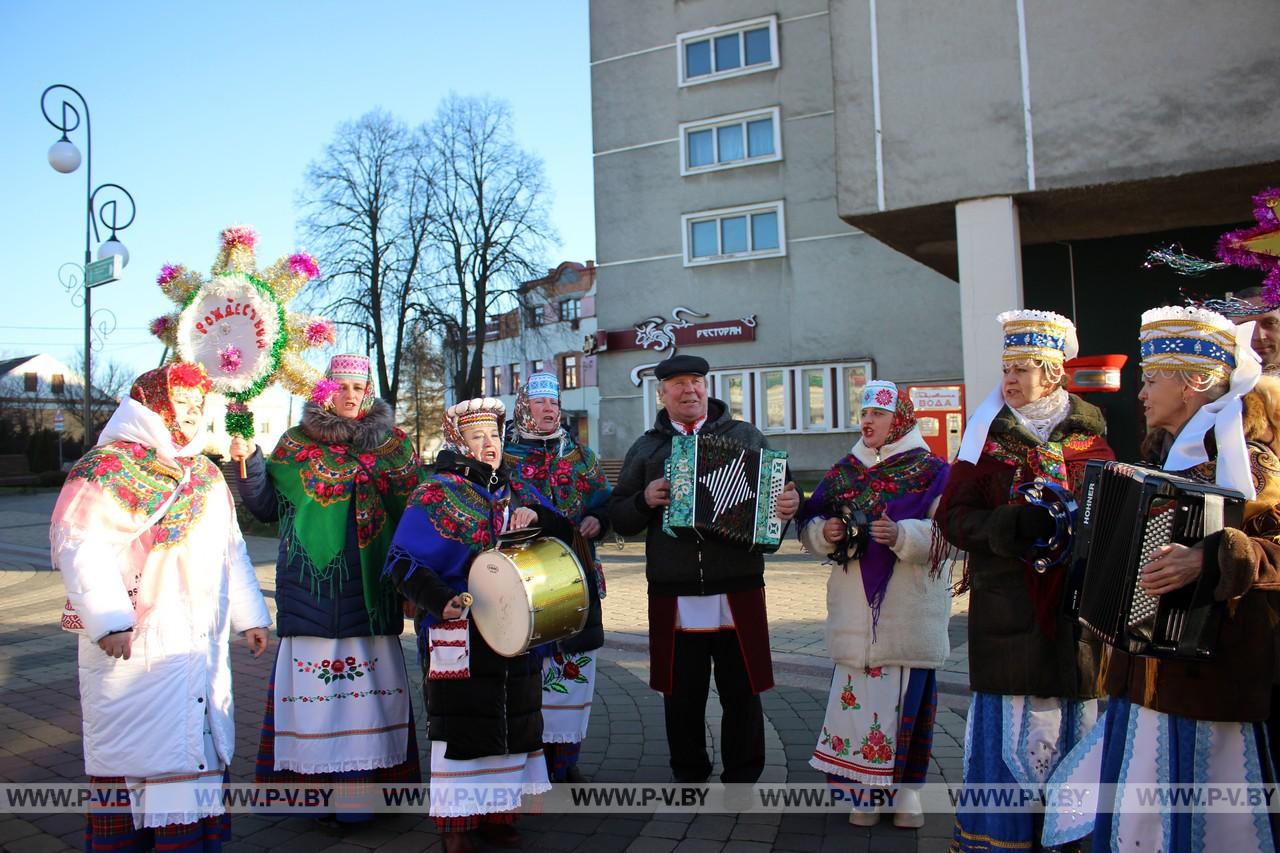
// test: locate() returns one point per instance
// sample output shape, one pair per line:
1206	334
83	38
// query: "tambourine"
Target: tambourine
1062	507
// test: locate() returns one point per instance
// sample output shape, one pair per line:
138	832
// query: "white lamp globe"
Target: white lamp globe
64	156
114	247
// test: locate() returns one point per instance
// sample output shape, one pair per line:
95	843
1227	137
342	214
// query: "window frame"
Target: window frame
834	399
687	221
842	389
711	33
714	123
564	372
803	412
762	401
576	301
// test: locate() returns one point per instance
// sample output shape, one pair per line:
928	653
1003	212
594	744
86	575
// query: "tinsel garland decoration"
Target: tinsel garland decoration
239	419
236	325
1256	247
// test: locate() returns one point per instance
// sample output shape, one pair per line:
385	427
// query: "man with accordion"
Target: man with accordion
706	593
1184	709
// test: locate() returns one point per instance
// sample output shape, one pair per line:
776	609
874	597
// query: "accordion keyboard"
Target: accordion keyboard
1159	532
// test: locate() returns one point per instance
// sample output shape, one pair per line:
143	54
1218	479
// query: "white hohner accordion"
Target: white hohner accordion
723	490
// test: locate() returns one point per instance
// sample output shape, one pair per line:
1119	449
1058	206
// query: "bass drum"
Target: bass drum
527	592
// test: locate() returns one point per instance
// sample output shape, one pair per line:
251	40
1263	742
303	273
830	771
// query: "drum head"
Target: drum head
501	608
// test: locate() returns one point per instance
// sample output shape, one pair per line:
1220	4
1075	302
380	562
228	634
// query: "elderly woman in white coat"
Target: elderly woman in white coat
157	579
888	601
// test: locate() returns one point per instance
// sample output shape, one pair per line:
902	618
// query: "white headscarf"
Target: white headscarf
1225	416
132	421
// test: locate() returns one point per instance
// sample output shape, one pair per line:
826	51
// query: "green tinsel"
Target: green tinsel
240	423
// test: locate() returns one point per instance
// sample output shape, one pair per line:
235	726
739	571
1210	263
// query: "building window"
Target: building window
734	234
58	384
729	51
775	410
726	142
814	395
571	309
570	377
495	381
790	398
853	379
30	383
539	365
532	315
515	377
731	388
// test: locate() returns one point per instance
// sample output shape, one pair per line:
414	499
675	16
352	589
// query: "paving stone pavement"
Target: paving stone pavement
40	721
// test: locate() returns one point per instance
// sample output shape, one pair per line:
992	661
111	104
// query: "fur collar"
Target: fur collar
362	434
1082	417
911	441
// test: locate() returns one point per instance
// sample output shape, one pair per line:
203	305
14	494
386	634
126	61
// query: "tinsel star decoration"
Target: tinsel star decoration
237	325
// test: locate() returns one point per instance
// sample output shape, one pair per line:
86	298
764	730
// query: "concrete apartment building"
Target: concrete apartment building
1036	150
717	231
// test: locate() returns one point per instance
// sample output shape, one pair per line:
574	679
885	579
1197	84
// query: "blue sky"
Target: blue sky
209	113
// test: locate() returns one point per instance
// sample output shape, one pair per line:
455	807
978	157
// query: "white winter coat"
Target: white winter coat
146	716
912	629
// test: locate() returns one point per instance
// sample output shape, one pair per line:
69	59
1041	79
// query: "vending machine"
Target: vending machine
940	415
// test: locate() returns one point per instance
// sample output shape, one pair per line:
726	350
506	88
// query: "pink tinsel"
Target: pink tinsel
159	326
239	235
321	332
304	265
229	358
1232	251
168	273
324	391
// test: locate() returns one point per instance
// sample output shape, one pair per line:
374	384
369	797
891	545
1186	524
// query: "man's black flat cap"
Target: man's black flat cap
681	365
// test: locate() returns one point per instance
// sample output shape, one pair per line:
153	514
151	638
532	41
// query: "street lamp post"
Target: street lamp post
112	255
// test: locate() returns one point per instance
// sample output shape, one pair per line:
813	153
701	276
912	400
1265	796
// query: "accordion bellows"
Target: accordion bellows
723	490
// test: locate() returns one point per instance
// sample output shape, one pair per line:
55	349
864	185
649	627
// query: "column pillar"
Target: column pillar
989	247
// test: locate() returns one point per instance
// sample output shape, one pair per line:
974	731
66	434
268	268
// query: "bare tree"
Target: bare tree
110	382
366	221
489	226
422	404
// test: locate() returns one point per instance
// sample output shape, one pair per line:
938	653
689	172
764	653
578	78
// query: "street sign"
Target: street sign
104	271
58	422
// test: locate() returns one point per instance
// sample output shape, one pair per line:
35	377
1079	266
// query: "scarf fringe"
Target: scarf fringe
942	553
317	577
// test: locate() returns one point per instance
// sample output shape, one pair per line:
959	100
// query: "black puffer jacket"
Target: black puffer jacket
678	566
497	710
